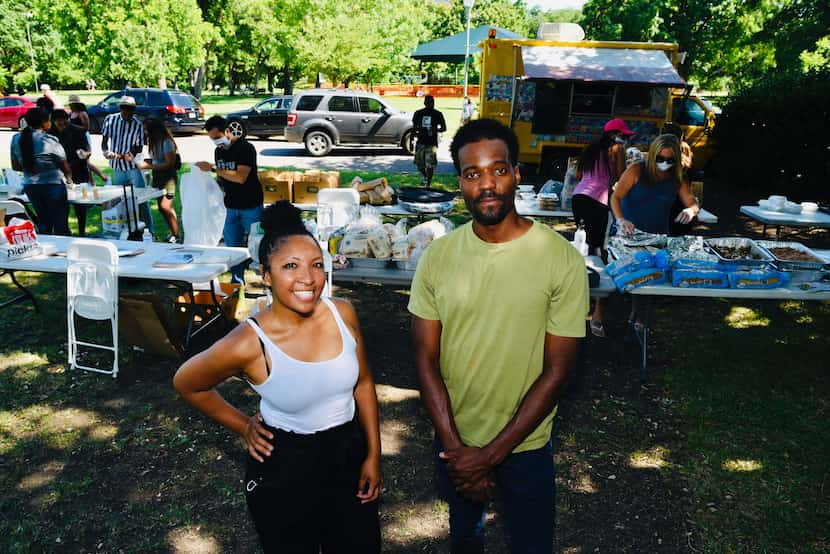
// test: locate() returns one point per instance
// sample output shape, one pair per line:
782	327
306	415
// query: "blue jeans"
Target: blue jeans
134	176
51	206
525	484
235	233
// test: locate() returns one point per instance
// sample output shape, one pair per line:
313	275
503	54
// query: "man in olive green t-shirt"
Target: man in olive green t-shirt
498	309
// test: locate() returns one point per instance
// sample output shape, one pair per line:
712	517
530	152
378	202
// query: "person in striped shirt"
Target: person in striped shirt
122	137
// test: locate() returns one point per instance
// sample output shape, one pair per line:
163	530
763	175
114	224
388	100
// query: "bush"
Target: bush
774	137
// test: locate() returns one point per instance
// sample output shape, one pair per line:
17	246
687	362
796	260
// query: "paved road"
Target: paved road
278	153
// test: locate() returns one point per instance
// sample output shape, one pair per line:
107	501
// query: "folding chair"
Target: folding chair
13	208
92	293
335	208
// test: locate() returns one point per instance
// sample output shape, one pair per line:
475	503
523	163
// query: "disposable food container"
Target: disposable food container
802	264
368	263
739	251
406	265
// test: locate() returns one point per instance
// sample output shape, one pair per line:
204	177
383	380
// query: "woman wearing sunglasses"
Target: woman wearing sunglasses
644	196
646	191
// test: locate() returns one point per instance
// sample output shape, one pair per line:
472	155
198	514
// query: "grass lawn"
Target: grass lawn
724	450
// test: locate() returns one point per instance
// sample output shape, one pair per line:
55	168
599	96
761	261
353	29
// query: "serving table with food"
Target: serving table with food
181	266
727	267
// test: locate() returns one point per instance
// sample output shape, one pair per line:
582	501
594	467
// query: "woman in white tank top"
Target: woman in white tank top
313	473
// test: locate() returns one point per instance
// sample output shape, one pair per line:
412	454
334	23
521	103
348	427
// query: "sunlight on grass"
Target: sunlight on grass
407	524
741	317
736	465
653	458
42	476
394	435
19	359
56	428
192	539
388	394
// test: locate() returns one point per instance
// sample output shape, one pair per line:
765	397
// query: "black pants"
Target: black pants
303	497
594	215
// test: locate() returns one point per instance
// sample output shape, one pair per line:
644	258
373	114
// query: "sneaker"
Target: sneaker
172	239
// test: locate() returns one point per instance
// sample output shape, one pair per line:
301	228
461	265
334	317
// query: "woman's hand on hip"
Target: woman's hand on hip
257	438
369	486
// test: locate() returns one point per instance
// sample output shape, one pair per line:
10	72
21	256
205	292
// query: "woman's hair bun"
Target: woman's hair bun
281	218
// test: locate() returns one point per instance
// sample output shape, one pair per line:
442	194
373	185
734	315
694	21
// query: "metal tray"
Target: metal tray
763	257
369	263
817	264
426	207
407	265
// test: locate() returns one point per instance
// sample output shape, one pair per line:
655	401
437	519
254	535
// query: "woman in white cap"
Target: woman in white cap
600	165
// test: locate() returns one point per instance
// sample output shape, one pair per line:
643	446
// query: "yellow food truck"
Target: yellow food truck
557	95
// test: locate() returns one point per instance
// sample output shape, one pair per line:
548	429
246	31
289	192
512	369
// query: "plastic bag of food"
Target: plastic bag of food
355	246
369	217
699	279
380	243
627	264
400	248
757	279
635	279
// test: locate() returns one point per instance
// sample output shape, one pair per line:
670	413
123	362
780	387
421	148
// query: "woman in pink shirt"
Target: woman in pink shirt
600	165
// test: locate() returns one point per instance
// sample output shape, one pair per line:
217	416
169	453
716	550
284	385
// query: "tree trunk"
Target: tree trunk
199	81
287	80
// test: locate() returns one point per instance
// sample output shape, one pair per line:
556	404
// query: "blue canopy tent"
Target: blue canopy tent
451	49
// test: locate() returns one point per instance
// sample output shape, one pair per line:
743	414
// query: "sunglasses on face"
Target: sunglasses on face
661	159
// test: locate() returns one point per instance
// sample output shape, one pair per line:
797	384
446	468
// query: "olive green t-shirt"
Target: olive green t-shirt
495	303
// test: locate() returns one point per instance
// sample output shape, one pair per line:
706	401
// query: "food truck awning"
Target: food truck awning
611	65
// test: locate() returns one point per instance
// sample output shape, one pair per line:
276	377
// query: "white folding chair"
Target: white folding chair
14	179
92	293
335	208
13	207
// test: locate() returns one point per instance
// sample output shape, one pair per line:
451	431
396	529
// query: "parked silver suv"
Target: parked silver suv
322	118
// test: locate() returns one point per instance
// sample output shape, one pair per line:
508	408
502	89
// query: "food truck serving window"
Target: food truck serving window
593	99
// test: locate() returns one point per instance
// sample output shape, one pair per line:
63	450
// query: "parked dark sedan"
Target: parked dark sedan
180	112
263	120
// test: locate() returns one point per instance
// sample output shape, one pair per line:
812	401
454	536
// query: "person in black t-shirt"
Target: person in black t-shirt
427	122
73	140
236	172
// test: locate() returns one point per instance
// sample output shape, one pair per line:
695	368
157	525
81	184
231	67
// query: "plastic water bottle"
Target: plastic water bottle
580	240
147	236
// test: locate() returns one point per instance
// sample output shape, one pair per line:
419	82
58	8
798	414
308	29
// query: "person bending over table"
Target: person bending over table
313	470
46	172
646	191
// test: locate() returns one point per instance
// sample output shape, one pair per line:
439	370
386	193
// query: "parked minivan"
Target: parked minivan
323	118
181	112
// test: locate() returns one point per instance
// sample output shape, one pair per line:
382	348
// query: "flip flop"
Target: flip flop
597	329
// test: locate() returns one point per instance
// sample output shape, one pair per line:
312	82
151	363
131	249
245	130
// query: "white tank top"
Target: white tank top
307	397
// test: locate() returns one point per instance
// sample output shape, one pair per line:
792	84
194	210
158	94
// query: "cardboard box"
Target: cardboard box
276	185
306	193
144	323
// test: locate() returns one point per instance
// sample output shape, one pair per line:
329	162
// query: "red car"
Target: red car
12	110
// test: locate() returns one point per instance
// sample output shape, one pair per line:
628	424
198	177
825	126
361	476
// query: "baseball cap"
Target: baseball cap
74	99
617	125
128	101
